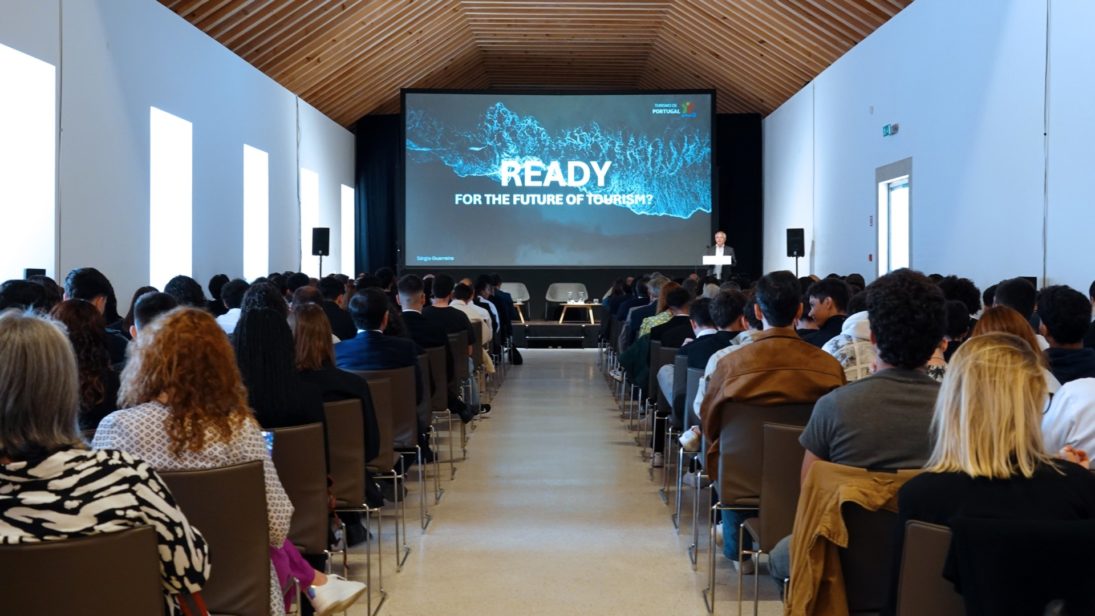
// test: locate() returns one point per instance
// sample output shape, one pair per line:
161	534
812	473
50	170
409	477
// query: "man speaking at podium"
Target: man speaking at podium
720	249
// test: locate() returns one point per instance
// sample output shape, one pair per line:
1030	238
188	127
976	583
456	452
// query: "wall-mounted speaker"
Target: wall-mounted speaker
796	243
321	241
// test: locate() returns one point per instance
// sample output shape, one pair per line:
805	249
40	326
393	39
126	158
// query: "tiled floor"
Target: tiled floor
554	512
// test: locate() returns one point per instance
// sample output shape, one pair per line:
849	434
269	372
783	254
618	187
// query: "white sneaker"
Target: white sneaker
693	480
658	461
334	596
617	374
690	440
747	567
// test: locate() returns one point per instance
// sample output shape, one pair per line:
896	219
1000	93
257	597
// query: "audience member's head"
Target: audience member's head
297	280
729	285
386	275
127	322
233	292
312	337
700	314
88	284
856	282
677	299
988	415
279	283
663	295
54	292
727	309
654	286
988	297
411	292
367	281
618	288
750	312
1065	315
691	285
216	286
264	354
641	288
307	295
185	358
779	299
332	288
828	298
857	303
87	333
39	388
442	286
905	311
186	291
496	280
149	307
956	320
1004	320
963	290
369	309
483	286
23	295
462	292
1091	292
710	290
1018	294
264	295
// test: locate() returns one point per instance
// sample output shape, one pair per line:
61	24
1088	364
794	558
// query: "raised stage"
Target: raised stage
552	334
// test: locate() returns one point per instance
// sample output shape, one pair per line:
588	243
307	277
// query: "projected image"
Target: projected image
557	180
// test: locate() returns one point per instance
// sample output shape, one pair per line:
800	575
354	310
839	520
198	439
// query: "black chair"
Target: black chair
921	587
300	458
439	407
867	562
108	573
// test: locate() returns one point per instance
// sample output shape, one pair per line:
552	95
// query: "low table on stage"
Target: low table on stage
588	307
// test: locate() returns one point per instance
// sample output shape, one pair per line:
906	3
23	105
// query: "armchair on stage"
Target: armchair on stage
569	295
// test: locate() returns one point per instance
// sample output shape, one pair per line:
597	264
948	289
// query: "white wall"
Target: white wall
117	58
965	81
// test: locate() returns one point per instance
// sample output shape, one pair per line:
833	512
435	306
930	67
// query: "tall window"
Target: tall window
894	216
256	213
170	213
309	218
348	248
28	173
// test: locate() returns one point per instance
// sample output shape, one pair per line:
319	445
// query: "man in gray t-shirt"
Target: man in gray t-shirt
883	421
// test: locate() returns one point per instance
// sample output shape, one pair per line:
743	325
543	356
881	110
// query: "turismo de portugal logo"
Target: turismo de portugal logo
687	109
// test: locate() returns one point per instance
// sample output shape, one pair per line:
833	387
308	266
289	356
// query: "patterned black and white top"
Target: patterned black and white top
140	431
79	492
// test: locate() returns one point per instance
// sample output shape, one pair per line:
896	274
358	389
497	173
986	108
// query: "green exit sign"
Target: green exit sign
889	130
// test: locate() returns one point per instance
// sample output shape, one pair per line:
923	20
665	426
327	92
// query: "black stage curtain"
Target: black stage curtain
739	195
379	174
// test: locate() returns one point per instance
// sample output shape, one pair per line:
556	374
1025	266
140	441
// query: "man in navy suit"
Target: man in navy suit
371	349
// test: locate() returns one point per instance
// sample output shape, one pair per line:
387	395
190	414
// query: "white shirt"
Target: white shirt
228	320
1070	418
475	315
719	250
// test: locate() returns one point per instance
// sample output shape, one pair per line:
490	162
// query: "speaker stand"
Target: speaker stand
796	264
321	267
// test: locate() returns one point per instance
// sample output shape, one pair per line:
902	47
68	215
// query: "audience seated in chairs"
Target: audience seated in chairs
453	321
127	321
989	461
1065	315
90	285
216	305
881	422
187	410
852	347
92	490
678	327
371	349
98	380
232	298
777	368
334	305
828	300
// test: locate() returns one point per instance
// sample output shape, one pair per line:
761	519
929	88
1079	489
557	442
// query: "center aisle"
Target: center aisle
552	513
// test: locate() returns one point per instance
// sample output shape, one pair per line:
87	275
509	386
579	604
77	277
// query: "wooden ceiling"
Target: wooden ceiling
349	58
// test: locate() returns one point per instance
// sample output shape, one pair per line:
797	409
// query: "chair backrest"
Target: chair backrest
458	349
557	291
780	467
680	387
477	343
228	506
439	397
108	573
741	440
665	356
380	390
614	328
517	290
401	405
346	447
301	460
691	388
921	587
422	409
652	375
867	562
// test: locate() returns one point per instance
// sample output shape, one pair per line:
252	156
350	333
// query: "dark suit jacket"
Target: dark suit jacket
371	350
626	306
721	272
334	384
428	334
453	320
635	319
1089	338
701	349
504	303
342	325
673	332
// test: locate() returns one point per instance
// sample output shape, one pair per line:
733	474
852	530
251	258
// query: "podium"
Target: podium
723	260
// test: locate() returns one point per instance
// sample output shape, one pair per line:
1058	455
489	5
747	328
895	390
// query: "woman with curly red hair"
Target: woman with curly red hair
98	382
188	410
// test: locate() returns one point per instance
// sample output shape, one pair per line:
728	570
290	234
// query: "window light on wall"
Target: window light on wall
28	172
256	213
348	244
309	218
170	211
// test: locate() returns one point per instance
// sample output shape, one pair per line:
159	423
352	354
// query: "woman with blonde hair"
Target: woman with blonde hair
1005	320
187	409
90	492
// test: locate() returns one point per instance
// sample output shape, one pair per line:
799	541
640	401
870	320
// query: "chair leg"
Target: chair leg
680	483
424	516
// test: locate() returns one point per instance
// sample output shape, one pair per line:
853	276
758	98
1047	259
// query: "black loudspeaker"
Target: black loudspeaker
321	241
796	243
33	271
